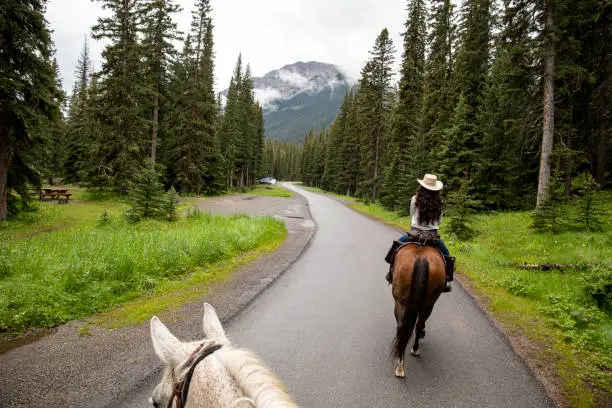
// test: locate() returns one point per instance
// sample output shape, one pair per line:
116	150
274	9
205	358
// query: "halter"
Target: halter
182	388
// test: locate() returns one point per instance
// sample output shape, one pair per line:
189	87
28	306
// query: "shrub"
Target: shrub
518	286
589	211
462	206
104	219
146	195
598	286
577	322
170	203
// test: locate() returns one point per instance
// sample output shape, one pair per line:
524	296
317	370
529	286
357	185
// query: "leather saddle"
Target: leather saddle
418	237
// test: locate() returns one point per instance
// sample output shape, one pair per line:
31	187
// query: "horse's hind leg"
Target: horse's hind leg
399	360
420	331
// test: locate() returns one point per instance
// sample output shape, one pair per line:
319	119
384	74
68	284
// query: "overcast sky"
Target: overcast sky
269	33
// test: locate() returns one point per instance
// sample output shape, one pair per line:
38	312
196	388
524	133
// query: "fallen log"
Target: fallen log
552	266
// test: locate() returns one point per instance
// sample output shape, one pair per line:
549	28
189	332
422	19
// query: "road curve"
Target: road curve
327	323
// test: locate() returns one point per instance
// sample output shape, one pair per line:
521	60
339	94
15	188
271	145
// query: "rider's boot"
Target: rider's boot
390	257
450	269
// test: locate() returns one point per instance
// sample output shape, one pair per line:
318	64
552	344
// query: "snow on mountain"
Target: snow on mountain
302	77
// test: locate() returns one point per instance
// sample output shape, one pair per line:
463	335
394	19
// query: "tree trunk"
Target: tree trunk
4	164
155	125
549	106
374	187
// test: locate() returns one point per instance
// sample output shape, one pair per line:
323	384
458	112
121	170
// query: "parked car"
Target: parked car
267	180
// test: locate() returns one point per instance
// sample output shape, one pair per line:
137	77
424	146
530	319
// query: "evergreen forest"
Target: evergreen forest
506	101
150	106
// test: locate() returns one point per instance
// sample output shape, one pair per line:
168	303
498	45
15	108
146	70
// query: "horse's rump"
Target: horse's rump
418	280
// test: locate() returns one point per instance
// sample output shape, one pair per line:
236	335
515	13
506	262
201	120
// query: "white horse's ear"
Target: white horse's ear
168	348
212	325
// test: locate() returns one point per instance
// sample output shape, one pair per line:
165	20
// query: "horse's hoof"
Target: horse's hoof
399	374
414	352
422	334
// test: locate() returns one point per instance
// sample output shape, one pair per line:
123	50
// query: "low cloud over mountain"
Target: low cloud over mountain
300	96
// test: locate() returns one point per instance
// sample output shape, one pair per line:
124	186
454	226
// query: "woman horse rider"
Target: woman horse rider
426	213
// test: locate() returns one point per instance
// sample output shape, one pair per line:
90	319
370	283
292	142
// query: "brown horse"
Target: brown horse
418	280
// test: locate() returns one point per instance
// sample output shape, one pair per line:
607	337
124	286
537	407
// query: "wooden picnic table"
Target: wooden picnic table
54	192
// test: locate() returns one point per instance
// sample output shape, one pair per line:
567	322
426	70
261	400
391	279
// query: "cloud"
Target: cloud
268	33
266	96
293	78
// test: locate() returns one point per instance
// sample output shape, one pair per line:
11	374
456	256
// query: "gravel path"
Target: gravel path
103	369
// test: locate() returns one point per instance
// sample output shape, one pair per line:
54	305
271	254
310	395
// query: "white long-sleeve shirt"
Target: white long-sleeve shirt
414	212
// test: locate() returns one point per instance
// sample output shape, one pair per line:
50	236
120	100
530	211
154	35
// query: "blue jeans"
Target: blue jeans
442	246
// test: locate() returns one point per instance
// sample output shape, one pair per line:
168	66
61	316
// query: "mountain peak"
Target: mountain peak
298	97
293	79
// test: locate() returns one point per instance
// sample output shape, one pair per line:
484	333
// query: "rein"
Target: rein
182	388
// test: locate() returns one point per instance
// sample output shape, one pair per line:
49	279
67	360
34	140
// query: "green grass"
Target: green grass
58	263
270	191
171	295
553	309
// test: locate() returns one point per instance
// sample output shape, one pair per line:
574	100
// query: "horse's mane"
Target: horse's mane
260	385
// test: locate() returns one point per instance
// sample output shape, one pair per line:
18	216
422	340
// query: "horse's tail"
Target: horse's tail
418	291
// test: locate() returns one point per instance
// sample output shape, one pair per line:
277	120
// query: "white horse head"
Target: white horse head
223	377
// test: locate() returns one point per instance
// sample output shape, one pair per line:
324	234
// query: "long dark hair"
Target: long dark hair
429	205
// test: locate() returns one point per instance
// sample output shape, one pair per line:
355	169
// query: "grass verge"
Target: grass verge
172	295
58	264
270	191
569	337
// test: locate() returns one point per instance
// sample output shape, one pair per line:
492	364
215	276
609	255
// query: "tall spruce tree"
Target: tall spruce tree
508	112
410	152
463	139
373	102
79	124
28	97
123	147
230	128
159	31
438	92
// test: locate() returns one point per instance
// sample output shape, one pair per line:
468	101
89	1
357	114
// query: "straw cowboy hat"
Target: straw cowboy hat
431	182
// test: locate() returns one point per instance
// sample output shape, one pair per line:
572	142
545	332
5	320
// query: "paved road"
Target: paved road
326	326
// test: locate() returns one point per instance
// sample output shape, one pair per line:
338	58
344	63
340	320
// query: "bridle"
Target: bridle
181	388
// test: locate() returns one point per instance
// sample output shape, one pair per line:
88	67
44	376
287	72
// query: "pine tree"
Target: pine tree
410	158
78	137
351	149
549	215
589	210
463	140
170	204
28	97
230	129
246	148
508	112
52	153
146	195
373	103
123	96
461	205
438	92
159	31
